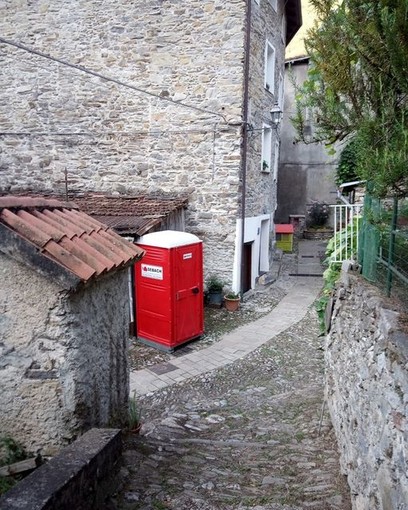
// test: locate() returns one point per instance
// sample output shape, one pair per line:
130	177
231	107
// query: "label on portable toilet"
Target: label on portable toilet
187	256
155	272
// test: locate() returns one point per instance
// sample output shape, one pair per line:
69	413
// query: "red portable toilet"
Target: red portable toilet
169	289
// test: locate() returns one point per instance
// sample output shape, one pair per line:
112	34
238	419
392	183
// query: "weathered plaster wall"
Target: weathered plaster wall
367	393
306	171
96	324
63	365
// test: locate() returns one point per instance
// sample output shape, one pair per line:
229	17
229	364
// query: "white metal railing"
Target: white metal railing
346	231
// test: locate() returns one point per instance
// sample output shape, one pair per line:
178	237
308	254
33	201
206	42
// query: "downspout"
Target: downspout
244	148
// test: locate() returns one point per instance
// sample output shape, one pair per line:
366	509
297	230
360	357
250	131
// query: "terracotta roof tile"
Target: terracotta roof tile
127	214
72	239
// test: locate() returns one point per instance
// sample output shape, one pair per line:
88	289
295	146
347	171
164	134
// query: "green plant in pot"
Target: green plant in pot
317	215
135	415
232	300
215	287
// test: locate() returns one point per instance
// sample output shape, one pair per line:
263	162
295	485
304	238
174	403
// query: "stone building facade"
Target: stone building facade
366	391
63	328
183	113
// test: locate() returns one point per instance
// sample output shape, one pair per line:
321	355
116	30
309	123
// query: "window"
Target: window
270	67
276	161
266	148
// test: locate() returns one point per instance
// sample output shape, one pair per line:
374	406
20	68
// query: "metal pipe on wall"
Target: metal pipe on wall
244	148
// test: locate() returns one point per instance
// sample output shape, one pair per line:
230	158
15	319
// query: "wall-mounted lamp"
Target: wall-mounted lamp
276	115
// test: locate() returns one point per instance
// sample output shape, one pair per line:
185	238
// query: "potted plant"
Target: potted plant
316	221
214	289
135	415
232	300
265	166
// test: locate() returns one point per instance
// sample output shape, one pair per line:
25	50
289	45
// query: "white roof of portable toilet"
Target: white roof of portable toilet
168	239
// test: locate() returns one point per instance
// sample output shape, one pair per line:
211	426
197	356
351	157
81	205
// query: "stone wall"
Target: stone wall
63	365
266	25
80	477
367	393
111	138
108	137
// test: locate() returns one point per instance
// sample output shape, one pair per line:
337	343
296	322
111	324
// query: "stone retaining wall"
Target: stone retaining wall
367	394
80	477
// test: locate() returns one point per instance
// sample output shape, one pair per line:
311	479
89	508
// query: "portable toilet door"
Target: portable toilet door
169	289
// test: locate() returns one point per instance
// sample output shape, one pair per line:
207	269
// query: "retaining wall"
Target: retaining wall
367	394
80	477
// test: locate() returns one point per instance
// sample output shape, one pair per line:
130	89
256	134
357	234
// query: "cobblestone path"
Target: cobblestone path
250	435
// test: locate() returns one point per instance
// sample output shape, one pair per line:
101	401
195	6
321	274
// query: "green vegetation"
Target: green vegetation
135	413
357	88
214	283
232	295
317	214
338	248
11	452
346	170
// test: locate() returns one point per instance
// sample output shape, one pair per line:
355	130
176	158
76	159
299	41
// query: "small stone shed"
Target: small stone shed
64	316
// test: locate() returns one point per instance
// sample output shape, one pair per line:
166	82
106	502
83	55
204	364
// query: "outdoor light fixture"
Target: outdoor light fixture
276	115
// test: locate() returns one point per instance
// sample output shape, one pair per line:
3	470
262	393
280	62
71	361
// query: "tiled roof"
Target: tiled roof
67	236
127	214
284	228
135	214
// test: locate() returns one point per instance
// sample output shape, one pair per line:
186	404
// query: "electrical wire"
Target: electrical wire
108	78
119	133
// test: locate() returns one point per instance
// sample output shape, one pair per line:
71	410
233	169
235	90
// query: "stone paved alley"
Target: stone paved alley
247	435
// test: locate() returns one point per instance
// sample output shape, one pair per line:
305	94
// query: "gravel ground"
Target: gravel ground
250	435
253	434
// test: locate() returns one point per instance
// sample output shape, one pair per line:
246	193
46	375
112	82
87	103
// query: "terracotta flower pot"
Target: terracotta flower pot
231	305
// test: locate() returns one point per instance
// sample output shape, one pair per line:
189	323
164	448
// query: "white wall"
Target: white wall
257	231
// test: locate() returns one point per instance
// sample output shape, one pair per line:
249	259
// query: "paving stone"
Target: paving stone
244	435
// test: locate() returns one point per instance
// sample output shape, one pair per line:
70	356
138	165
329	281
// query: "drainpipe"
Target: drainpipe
244	148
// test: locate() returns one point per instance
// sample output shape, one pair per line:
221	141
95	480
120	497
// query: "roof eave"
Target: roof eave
19	249
293	10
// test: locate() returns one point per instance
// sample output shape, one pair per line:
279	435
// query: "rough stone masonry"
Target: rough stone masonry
367	393
110	138
63	356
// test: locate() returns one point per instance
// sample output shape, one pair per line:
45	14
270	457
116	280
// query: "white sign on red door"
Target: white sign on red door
155	272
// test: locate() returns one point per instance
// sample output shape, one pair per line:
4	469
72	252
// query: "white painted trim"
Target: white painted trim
276	160
266	147
281	91
269	71
253	228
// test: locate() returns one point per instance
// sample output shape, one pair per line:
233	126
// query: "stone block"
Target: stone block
77	478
